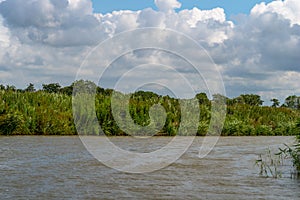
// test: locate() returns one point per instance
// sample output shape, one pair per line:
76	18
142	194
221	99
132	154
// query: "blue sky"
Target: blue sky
231	7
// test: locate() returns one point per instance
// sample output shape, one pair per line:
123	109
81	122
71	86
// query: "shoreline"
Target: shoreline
233	136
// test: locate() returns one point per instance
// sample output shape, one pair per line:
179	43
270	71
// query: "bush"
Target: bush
9	123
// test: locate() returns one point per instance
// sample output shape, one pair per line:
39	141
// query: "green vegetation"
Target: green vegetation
35	113
269	164
49	112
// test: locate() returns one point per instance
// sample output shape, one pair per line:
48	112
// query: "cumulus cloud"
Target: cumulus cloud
52	22
289	9
195	15
46	40
167	5
55	22
259	53
264	42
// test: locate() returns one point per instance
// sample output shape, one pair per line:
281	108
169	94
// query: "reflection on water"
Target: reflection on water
61	168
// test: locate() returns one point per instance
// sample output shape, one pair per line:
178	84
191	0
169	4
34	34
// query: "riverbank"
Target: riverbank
50	113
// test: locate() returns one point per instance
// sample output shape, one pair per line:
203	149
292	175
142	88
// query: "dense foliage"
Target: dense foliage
49	112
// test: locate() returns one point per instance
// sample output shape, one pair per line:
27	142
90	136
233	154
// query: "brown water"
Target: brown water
61	168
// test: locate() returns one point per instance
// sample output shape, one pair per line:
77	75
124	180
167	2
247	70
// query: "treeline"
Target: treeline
48	111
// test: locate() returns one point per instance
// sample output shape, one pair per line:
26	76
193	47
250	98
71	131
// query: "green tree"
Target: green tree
30	88
292	102
84	86
51	88
202	98
67	90
11	88
218	98
250	99
276	103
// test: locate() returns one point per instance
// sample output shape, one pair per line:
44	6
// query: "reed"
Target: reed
269	163
49	112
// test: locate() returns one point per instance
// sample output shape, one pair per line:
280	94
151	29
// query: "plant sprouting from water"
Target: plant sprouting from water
269	163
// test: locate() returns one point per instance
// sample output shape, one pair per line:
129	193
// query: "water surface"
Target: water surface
61	168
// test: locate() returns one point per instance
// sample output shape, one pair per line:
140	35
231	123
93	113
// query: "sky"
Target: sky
231	7
254	45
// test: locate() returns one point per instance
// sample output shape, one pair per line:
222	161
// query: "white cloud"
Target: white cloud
203	25
289	9
83	6
4	35
118	21
192	17
150	18
52	22
167	5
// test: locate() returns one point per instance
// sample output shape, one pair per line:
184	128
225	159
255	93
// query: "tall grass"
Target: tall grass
35	113
45	113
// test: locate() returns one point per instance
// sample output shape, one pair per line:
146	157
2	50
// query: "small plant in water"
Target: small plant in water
269	164
294	154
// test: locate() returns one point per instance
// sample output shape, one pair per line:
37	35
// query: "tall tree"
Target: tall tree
202	98
68	90
292	102
51	88
84	86
30	88
250	99
218	98
11	88
276	102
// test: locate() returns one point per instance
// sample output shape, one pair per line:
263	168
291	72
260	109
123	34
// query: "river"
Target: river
61	168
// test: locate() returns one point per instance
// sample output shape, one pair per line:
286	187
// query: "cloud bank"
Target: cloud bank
47	40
